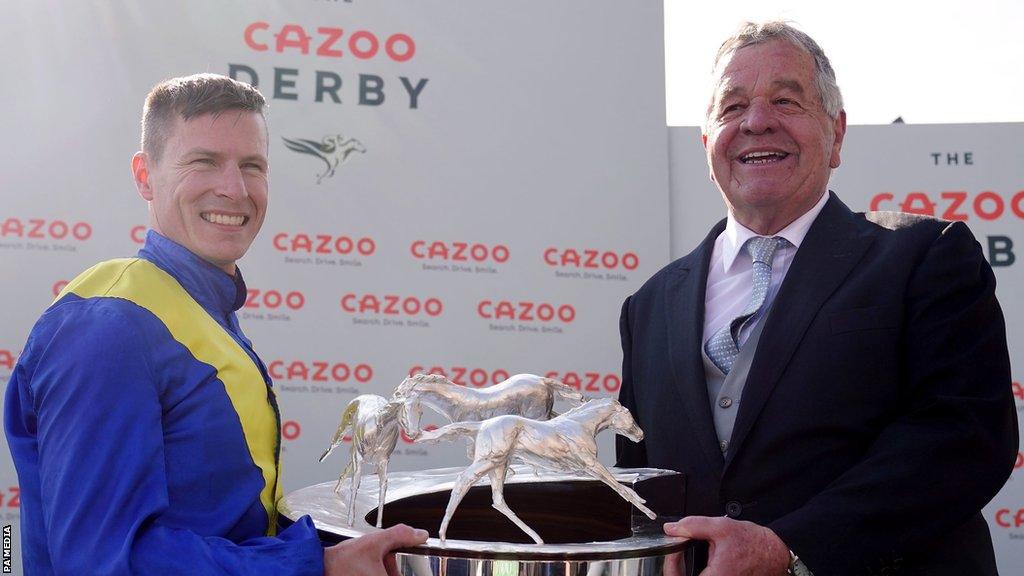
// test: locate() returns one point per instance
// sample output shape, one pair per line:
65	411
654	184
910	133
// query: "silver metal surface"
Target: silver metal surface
565	443
374	423
416	565
521	395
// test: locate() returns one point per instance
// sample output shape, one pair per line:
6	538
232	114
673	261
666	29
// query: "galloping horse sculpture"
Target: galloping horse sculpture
375	427
521	395
564	444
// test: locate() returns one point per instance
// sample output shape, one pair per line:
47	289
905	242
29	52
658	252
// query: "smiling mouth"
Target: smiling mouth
224	219
763	157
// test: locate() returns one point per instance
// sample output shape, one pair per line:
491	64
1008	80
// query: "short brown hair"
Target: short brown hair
186	97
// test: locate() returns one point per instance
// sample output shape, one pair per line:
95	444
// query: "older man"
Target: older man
143	425
835	385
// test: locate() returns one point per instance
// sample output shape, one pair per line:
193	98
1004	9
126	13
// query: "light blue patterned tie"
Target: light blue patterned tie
721	348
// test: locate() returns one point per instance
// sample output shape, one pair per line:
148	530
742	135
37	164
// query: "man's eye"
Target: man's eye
253	166
203	161
730	109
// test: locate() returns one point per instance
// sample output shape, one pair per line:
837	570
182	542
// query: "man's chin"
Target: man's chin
763	196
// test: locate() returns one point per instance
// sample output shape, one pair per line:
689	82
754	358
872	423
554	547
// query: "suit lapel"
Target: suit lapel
833	246
684	297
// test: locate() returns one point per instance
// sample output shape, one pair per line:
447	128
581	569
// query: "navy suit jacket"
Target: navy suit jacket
877	418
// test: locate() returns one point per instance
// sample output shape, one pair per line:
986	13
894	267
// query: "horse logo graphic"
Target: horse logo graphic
334	150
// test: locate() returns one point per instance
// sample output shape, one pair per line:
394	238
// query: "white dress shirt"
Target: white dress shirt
731	275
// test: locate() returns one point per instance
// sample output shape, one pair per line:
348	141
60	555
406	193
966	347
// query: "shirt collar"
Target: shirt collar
736	234
215	290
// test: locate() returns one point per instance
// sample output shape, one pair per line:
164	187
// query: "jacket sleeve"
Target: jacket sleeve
628	454
96	407
939	461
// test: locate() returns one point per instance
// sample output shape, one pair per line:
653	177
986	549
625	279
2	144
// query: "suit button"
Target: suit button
733	509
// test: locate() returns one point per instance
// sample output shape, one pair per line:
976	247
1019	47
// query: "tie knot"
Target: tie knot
762	249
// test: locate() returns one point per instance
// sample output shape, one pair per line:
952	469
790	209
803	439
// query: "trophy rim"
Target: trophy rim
329	510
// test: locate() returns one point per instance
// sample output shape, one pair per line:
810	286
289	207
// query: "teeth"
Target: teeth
223	219
763	157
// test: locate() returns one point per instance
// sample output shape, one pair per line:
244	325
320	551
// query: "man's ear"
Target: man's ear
140	170
704	141
840	131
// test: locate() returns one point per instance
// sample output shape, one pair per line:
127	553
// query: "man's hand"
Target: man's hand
370	555
737	548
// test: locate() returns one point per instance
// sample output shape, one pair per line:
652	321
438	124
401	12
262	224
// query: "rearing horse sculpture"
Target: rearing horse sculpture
375	428
521	395
564	444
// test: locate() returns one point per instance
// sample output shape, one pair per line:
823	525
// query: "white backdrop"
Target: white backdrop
499	218
969	172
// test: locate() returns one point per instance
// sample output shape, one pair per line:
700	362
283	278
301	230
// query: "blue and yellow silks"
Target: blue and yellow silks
145	430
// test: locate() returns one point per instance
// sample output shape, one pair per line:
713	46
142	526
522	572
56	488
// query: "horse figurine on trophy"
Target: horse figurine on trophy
565	443
520	395
375	424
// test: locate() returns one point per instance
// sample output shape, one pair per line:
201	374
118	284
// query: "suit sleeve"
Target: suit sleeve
103	482
934	465
628	454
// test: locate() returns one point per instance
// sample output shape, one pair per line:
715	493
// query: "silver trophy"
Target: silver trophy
579	517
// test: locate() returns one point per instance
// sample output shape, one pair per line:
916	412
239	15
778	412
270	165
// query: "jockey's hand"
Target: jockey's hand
371	554
737	548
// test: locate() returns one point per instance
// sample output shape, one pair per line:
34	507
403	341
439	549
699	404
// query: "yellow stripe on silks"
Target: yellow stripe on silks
143	283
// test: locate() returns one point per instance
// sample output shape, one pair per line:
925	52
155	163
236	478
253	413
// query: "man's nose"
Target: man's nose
759	118
232	184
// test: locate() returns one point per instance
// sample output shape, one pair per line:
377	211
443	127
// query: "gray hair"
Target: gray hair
751	34
187	97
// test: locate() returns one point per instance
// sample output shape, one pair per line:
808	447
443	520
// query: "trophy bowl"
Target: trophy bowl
587	528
